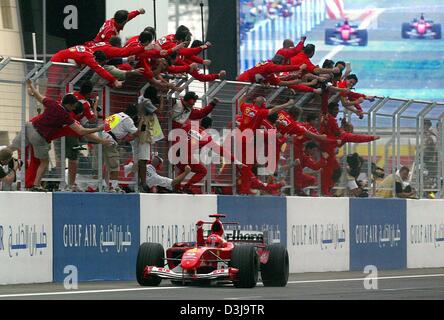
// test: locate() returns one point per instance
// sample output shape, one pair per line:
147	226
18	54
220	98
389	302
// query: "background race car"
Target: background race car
421	29
346	34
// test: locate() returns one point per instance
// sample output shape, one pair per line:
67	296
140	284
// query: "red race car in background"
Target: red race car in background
421	29
346	34
234	257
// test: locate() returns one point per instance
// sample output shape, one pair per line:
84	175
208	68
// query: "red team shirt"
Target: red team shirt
110	28
265	69
83	56
252	116
53	118
87	112
300	59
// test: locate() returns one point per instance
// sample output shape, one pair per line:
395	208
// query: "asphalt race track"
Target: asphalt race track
392	285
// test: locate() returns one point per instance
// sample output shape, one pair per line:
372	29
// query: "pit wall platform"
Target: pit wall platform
43	235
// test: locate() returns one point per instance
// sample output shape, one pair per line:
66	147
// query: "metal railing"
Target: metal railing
406	138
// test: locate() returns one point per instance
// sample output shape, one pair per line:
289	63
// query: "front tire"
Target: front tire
245	258
275	272
150	254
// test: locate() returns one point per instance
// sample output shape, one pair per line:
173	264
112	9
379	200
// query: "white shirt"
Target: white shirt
121	125
180	113
153	179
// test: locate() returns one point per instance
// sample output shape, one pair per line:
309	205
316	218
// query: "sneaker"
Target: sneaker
38	189
115	190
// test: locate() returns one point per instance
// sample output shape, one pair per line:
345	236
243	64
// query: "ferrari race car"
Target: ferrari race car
346	34
234	257
421	29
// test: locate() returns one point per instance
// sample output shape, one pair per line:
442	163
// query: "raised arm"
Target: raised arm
276	109
33	92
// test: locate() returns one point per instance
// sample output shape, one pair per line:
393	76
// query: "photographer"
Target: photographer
8	169
148	125
350	179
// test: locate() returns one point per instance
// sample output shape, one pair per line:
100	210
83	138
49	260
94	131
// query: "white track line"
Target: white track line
364	25
172	288
84	292
362	279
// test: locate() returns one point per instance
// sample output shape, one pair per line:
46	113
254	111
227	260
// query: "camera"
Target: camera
12	163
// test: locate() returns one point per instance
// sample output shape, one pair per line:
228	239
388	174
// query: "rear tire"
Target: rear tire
150	254
436	28
363	35
275	272
405	29
245	258
329	33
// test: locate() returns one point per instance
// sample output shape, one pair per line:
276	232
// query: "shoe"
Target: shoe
37	189
116	190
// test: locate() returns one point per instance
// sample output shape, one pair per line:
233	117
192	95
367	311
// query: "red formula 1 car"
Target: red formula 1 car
235	257
346	34
421	29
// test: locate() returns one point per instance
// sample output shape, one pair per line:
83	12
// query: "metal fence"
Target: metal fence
411	131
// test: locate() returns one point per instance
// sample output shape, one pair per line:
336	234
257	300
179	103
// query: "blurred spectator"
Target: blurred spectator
402	185
150	132
8	169
349	178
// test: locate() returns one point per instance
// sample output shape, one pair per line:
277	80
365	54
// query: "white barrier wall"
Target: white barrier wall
168	219
425	234
26	249
318	234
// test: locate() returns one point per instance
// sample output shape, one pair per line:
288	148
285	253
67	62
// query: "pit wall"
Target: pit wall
43	236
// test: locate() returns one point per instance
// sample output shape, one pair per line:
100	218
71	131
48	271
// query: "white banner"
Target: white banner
318	234
25	238
167	219
425	234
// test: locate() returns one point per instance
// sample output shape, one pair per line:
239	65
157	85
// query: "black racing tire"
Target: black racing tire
436	28
328	34
405	29
275	272
150	254
363	35
245	258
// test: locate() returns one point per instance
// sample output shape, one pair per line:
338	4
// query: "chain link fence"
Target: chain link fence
411	131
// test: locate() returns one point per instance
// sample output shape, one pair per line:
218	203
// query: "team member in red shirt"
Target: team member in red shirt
251	119
353	99
304	58
182	35
289	50
308	160
81	55
112	27
347	135
329	127
182	115
89	114
259	73
144	58
196	74
40	132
